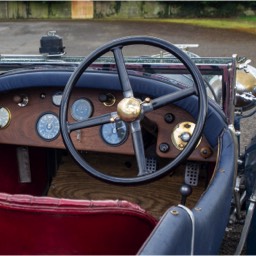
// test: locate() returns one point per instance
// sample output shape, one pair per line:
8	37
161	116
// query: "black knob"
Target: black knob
185	190
103	97
169	118
164	147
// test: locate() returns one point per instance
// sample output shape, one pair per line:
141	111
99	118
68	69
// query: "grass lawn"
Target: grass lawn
242	24
246	24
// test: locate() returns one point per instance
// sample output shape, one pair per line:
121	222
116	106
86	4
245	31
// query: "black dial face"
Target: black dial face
81	109
48	126
115	133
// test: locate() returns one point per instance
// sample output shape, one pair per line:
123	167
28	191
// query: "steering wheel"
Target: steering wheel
131	110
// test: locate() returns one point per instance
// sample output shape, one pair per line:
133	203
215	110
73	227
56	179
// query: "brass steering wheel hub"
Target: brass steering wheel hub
129	109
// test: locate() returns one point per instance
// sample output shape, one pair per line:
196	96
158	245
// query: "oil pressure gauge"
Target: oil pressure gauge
5	117
48	126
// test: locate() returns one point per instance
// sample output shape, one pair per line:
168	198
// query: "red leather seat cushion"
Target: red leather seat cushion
42	225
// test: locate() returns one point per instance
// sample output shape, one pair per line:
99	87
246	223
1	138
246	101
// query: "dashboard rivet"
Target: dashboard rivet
174	212
181	145
187	126
205	152
42	96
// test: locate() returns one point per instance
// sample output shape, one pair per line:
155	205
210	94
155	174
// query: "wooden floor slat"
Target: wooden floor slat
155	197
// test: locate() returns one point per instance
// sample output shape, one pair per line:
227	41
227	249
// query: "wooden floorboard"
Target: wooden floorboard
155	197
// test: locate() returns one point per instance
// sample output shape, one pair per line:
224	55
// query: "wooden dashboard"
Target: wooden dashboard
22	128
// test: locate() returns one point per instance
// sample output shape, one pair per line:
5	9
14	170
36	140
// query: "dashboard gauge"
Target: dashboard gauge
5	117
56	98
81	109
115	133
48	126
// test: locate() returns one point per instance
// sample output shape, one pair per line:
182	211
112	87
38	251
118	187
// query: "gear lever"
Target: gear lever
185	191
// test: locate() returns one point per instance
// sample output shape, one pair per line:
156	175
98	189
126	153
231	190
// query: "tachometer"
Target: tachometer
48	126
81	109
114	133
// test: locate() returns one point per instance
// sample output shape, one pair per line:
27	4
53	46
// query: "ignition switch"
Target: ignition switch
21	100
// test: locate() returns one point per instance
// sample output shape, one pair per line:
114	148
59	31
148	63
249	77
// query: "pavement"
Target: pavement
82	37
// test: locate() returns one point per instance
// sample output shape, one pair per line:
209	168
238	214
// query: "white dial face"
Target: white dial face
48	126
5	117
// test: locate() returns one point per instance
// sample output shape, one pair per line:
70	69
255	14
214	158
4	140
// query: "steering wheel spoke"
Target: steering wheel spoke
169	98
122	72
138	146
94	121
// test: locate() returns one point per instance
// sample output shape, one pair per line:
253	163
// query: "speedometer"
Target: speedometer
48	126
115	133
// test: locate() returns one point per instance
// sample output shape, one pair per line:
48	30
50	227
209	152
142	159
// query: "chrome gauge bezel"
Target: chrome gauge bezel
5	117
54	132
56	98
118	141
84	113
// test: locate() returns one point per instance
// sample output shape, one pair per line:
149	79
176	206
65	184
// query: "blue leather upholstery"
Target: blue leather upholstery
211	213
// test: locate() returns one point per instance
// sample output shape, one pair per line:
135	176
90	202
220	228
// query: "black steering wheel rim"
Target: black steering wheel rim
120	43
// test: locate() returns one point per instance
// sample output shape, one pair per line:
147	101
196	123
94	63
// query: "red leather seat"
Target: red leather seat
43	225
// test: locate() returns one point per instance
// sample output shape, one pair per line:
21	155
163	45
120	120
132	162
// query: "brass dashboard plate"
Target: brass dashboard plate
180	129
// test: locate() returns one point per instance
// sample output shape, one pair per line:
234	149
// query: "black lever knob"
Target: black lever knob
185	191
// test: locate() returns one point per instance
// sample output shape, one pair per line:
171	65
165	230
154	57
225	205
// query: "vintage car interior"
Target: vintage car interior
113	154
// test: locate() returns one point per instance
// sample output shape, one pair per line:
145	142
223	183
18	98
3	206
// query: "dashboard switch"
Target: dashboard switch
21	100
107	99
